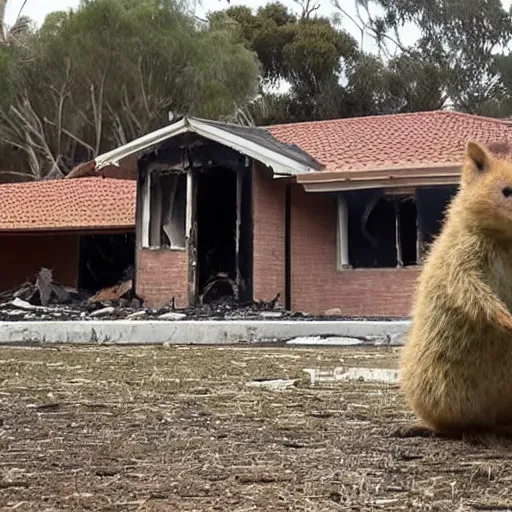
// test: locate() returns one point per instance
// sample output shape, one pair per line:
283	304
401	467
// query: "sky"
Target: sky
38	9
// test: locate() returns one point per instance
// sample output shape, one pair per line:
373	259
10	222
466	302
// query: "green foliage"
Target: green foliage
91	79
309	53
404	84
97	77
328	74
460	37
459	58
305	52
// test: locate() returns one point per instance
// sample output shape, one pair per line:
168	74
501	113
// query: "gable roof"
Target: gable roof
81	204
426	146
257	143
391	150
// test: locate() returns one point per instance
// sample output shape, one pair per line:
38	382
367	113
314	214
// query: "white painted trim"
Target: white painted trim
189	208
342	259
387	184
280	164
116	155
146	210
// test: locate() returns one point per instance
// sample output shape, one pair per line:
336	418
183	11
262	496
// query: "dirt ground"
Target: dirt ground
166	429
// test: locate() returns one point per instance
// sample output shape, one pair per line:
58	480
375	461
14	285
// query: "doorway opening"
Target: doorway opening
223	262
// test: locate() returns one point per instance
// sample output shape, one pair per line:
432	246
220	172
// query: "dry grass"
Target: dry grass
178	429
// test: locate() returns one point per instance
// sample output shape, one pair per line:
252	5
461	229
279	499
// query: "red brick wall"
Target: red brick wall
316	283
161	275
22	256
269	197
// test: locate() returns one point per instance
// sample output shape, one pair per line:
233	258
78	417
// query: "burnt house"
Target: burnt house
330	214
209	210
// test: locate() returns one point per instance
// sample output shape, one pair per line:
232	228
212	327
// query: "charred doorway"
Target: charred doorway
224	234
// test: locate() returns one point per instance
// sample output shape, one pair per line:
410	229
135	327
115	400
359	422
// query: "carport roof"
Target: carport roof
86	204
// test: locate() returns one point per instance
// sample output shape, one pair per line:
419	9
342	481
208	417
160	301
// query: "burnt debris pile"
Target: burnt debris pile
42	298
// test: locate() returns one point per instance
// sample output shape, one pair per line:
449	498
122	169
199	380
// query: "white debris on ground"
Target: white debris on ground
346	341
382	375
325	341
273	384
172	316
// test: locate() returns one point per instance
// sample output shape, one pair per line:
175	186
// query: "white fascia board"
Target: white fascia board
116	155
364	185
280	164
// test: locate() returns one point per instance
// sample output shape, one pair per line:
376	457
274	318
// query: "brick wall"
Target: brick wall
316	283
161	275
22	256
269	197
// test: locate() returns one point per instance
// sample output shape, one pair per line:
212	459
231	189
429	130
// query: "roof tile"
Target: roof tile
68	204
375	142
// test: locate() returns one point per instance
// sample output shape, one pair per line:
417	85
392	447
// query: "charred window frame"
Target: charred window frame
342	235
375	230
165	210
389	230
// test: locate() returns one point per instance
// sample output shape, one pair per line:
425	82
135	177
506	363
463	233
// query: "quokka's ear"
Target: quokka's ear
478	157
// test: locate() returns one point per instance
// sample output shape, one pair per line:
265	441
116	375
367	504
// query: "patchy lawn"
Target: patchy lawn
165	429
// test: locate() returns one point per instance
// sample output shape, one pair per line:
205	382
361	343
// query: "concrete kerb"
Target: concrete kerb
189	332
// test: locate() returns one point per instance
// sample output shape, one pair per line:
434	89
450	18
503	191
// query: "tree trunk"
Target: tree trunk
2	21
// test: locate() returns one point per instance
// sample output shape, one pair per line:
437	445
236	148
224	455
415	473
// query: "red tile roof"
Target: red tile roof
68	204
377	142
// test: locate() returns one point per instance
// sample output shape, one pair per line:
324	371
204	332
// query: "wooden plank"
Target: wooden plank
239	184
399	258
191	230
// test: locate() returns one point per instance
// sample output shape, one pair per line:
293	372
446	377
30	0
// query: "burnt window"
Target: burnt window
378	230
167	210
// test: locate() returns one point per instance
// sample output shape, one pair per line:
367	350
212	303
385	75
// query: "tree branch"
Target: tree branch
142	88
20	11
16	173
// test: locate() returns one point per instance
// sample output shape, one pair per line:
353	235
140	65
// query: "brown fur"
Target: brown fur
456	366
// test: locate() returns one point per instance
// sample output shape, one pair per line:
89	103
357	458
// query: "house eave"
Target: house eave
115	156
391	177
280	164
84	229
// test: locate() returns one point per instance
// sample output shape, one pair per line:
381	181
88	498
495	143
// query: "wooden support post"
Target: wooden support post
239	184
419	239
191	230
156	195
399	259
